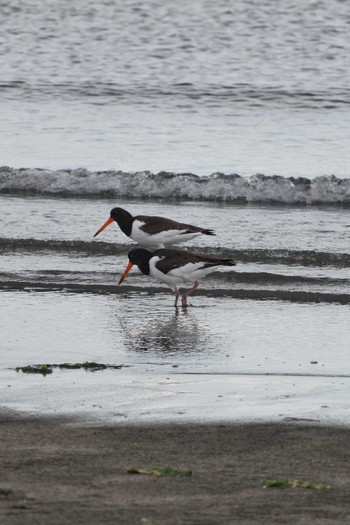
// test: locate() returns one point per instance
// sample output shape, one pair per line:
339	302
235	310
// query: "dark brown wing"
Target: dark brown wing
155	225
171	259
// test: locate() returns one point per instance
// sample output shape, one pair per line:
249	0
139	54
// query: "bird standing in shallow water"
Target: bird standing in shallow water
153	232
174	267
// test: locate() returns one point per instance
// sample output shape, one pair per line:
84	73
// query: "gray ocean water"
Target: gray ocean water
230	115
242	86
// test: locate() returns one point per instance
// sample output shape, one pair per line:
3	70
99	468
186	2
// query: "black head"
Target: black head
139	256
119	214
123	218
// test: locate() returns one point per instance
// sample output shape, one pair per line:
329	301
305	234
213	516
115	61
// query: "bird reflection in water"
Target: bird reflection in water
155	332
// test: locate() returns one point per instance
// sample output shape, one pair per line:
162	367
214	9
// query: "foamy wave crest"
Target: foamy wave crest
179	186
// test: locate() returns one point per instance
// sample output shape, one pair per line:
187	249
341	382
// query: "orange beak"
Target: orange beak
107	223
127	270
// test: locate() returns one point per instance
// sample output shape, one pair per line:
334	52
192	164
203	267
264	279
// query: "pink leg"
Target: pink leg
177	295
189	292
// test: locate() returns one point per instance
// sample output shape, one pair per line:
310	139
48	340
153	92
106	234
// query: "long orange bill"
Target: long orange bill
107	223
127	270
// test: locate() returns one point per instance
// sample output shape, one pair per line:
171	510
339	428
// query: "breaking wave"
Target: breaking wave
219	187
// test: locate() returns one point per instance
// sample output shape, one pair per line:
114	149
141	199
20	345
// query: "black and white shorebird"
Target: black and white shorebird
153	232
174	267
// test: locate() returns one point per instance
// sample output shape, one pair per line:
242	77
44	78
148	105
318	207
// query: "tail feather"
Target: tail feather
208	232
220	262
228	262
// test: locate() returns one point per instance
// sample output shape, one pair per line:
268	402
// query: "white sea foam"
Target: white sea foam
181	186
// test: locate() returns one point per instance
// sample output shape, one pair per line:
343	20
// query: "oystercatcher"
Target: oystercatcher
153	232
174	267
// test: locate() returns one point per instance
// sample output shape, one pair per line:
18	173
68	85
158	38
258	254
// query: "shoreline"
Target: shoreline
60	470
299	296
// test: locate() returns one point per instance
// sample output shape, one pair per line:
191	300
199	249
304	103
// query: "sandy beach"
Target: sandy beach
62	471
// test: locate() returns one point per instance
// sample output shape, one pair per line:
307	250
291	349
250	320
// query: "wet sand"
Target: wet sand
60	471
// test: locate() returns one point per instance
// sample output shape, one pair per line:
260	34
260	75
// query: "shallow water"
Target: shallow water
259	226
47	242
228	359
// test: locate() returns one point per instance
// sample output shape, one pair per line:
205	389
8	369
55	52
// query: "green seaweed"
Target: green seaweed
70	366
94	366
160	471
285	483
88	365
47	369
38	369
